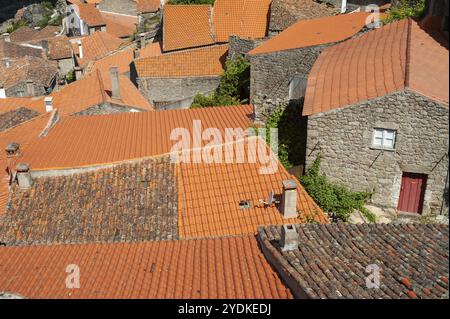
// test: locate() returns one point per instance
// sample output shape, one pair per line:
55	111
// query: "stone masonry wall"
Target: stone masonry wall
240	46
118	6
20	89
175	89
106	108
65	65
271	73
343	137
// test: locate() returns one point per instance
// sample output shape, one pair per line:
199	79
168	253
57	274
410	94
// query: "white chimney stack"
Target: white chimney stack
80	49
115	87
24	176
2	92
289	199
48	101
343	6
289	238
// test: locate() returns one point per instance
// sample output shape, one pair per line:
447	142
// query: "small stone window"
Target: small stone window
383	139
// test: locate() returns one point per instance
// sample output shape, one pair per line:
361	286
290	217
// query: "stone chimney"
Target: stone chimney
12	150
115	86
48	101
289	238
80	49
24	176
6	37
78	73
6	62
289	199
142	40
30	87
136	54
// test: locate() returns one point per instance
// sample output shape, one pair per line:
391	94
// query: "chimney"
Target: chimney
142	40
23	176
2	92
289	199
136	53
30	87
115	88
80	49
6	37
48	101
78	73
343	6
12	150
289	237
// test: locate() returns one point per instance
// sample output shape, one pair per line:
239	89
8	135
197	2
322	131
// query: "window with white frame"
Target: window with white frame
383	138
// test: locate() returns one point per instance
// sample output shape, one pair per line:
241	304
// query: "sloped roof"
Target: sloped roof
313	32
90	14
121	59
96	46
141	204
244	18
14	50
59	48
284	13
383	61
95	89
331	261
15	117
118	137
209	61
167	269
186	26
40	71
23	34
151	49
210	193
145	6
119	25
13	103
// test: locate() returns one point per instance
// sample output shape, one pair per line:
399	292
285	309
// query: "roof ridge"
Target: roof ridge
408	52
102	88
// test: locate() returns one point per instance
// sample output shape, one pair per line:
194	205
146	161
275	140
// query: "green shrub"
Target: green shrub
233	88
404	9
336	200
16	25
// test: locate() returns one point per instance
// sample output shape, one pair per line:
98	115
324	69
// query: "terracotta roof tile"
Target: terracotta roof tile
118	137
186	26
12	103
23	34
14	51
39	70
284	13
141	204
168	269
244	18
152	49
15	117
96	46
208	61
59	48
121	59
331	260
375	65
119	25
90	14
95	89
209	196
314	32
145	6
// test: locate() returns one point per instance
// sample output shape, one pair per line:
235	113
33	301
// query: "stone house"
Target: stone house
83	19
172	80
280	66
379	119
60	50
28	76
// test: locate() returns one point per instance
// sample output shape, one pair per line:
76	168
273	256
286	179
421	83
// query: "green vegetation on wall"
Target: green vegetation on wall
334	199
16	25
404	9
234	86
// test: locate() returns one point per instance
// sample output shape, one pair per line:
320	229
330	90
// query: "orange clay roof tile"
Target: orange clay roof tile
314	32
118	137
96	46
90	14
145	6
186	26
151	49
119	25
244	18
209	196
165	269
121	59
208	61
378	63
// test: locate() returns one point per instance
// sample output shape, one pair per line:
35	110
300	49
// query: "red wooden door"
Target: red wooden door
412	192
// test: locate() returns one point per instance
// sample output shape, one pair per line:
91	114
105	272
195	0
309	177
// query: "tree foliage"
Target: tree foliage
335	199
405	9
233	88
